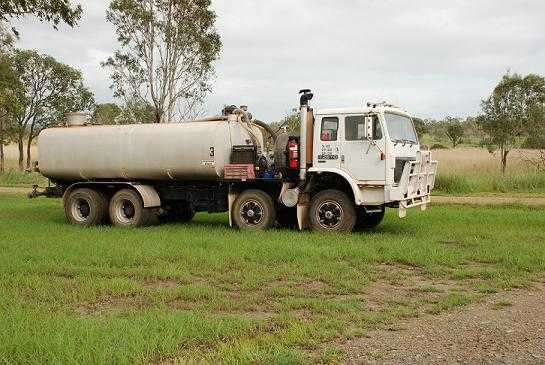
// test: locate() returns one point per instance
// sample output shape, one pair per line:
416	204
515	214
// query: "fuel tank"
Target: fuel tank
171	151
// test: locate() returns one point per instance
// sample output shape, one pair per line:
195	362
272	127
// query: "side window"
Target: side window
377	129
354	128
330	126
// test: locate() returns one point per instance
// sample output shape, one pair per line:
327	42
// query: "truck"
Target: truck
339	173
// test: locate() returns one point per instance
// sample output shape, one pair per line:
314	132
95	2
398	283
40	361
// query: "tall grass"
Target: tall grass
475	170
532	182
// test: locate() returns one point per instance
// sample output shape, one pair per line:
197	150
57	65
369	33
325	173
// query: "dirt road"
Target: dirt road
489	200
15	190
509	328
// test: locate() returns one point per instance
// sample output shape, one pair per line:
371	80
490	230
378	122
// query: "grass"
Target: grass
203	292
475	170
15	178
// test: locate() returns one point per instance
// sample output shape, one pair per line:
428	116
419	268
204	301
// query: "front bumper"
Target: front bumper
416	184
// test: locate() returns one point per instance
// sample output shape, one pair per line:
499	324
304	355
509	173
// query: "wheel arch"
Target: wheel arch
334	179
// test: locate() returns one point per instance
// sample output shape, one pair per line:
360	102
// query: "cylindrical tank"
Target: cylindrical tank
173	151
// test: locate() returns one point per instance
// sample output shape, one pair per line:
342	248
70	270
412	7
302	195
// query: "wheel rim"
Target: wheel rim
81	209
251	212
124	211
329	214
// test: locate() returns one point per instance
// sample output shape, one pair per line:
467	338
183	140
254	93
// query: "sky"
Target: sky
433	58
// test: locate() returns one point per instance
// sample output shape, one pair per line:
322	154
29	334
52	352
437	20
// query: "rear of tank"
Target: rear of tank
173	151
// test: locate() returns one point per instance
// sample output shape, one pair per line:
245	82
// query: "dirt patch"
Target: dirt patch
15	190
162	284
507	327
489	200
111	304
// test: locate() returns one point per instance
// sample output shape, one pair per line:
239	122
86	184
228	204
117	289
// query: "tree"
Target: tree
50	90
515	108
291	122
454	130
10	90
136	112
420	126
166	55
53	11
106	113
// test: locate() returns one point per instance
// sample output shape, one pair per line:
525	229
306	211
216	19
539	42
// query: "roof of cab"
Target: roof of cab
361	110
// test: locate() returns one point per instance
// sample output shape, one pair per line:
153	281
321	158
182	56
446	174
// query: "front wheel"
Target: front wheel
254	209
127	210
332	211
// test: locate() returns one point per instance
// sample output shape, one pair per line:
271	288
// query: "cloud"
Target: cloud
432	58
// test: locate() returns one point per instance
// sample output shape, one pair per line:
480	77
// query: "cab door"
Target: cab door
326	142
362	156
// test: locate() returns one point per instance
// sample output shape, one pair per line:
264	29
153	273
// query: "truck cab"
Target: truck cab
375	149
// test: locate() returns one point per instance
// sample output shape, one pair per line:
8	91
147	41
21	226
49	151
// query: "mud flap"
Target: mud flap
303	207
231	197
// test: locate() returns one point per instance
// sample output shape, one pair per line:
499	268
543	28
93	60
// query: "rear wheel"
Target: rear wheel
332	211
369	220
127	210
86	207
254	209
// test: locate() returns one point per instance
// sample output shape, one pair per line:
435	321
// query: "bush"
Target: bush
438	146
536	142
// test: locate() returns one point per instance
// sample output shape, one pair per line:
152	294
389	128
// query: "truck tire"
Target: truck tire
332	211
86	207
127	210
254	209
366	220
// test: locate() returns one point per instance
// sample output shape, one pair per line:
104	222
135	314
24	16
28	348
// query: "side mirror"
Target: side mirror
368	125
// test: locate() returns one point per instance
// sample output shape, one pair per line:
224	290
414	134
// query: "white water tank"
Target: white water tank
170	151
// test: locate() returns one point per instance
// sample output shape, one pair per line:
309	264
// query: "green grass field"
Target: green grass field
203	292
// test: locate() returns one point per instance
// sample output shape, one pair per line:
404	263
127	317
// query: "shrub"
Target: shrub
438	146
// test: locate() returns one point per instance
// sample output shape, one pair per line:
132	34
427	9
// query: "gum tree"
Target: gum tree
50	90
53	11
515	109
166	54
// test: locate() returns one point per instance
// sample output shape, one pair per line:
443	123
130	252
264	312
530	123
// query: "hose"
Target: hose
267	128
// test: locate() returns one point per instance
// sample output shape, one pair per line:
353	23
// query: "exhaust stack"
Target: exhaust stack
304	110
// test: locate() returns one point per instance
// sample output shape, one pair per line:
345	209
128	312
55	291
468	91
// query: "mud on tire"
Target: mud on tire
254	209
127	210
332	211
86	207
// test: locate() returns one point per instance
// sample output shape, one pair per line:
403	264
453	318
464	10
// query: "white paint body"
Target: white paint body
369	164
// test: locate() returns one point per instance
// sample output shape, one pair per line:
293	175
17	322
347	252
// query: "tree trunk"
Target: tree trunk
21	146
503	161
1	146
2	168
28	152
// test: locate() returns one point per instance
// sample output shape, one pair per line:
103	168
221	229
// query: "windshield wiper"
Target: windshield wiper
404	141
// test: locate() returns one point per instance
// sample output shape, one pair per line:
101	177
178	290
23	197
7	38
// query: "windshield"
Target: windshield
400	128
